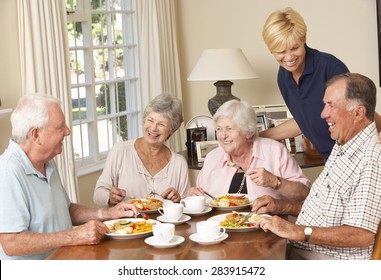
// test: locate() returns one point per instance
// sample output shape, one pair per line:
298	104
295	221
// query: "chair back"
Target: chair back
377	245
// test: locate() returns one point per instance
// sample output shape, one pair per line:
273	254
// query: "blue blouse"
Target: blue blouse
305	100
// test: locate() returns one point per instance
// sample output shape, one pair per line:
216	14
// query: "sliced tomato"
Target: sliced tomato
232	204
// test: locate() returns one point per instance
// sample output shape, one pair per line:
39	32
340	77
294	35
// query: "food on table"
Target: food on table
230	200
129	227
147	204
235	219
145	216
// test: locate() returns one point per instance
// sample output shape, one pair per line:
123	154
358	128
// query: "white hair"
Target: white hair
242	114
31	112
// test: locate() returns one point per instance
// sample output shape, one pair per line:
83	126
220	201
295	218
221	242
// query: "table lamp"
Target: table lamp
222	65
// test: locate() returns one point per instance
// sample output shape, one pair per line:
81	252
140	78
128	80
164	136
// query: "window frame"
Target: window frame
132	86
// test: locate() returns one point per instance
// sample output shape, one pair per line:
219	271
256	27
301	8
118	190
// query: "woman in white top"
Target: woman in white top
138	167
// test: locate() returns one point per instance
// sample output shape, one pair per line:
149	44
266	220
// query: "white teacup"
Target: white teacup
194	204
164	233
171	211
210	230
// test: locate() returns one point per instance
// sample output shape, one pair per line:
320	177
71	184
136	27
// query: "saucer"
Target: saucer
183	219
207	209
152	241
196	238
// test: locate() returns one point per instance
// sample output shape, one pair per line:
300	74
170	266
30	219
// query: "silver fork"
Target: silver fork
152	193
232	164
246	218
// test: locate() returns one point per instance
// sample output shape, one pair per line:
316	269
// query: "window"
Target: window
105	88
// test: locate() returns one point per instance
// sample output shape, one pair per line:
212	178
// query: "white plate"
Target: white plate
196	238
132	235
207	209
250	197
152	241
203	121
183	219
221	217
165	201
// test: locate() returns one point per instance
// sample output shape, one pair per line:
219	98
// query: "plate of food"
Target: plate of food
130	228
231	201
148	204
232	221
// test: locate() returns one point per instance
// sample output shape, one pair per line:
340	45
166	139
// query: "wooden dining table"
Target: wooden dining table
249	245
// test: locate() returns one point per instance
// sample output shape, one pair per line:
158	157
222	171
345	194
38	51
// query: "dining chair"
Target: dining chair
377	245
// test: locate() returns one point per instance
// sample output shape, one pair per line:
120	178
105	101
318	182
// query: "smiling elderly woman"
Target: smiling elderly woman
138	167
264	166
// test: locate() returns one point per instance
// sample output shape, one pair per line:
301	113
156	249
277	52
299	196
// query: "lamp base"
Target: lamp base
223	94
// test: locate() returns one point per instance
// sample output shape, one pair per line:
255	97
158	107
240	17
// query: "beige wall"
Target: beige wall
10	85
346	28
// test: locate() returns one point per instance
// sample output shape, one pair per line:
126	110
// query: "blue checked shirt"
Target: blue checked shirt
347	192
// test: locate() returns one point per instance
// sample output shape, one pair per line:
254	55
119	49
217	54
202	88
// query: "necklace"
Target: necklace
242	183
238	167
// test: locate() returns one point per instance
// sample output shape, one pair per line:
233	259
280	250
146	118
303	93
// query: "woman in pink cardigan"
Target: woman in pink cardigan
246	163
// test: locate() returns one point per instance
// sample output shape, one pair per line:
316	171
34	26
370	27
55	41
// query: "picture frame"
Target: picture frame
261	122
203	148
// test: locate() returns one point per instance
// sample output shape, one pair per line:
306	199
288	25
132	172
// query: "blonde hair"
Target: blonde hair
283	29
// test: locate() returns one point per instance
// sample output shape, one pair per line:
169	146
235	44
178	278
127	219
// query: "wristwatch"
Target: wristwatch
307	233
278	182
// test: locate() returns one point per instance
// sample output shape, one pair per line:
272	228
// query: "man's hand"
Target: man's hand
121	210
280	227
90	233
268	204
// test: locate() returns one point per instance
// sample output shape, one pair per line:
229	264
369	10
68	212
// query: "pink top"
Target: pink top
215	177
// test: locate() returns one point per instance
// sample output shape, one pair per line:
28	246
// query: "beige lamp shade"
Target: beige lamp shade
222	64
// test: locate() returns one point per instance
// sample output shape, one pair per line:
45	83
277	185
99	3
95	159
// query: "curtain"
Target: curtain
159	63
45	69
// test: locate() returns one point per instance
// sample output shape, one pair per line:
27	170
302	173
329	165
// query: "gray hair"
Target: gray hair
31	112
167	105
242	114
360	90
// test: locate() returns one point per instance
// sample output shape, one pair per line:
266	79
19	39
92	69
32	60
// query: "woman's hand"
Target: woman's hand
262	177
116	195
196	191
171	194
